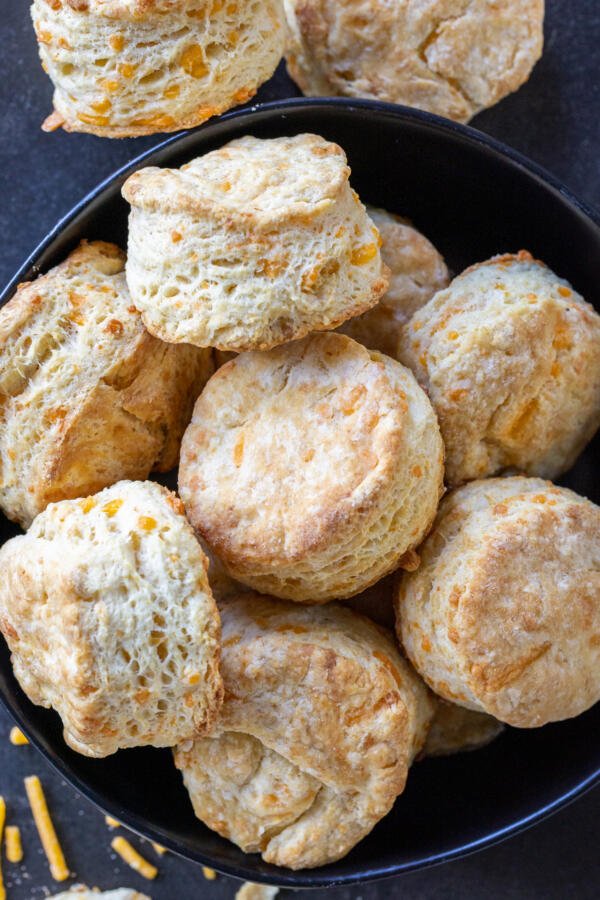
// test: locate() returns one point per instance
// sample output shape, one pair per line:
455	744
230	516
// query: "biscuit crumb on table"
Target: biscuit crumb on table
80	892
251	891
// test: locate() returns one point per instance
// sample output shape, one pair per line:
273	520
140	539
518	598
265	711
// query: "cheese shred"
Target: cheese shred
130	855
43	822
17	738
2	821
14	847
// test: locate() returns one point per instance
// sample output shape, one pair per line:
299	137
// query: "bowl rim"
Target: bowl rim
407	113
308	878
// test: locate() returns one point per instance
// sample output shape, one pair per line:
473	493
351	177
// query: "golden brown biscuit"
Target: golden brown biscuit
503	614
252	245
455	729
123	68
377	602
321	720
87	395
106	608
510	357
417	271
312	470
451	57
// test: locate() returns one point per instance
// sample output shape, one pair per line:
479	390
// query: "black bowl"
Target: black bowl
473	197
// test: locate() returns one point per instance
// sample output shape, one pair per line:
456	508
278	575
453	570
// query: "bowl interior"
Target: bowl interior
473	199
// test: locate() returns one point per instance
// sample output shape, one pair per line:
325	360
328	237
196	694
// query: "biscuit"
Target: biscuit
321	720
455	729
87	395
221	585
82	893
312	470
503	614
252	245
450	57
377	602
510	357
123	68
106	608
417	272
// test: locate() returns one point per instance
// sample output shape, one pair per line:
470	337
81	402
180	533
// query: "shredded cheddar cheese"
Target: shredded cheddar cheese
2	820
158	848
112	823
43	822
130	855
14	847
17	737
209	874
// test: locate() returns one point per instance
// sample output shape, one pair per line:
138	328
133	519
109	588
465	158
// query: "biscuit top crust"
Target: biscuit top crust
325	662
108	611
510	355
258	181
452	57
127	9
518	563
286	446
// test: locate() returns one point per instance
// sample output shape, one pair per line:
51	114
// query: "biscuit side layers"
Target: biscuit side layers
127	69
88	396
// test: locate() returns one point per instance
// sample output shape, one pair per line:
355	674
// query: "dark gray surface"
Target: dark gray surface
555	119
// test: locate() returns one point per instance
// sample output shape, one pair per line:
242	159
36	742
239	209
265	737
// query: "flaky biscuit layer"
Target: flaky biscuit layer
106	607
123	68
88	396
252	245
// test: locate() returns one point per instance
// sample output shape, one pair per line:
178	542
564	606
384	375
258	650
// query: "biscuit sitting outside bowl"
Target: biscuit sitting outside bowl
450	57
106	608
509	354
312	470
252	245
503	614
321	721
89	397
123	68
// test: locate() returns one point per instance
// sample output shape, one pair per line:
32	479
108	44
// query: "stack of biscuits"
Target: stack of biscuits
310	614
